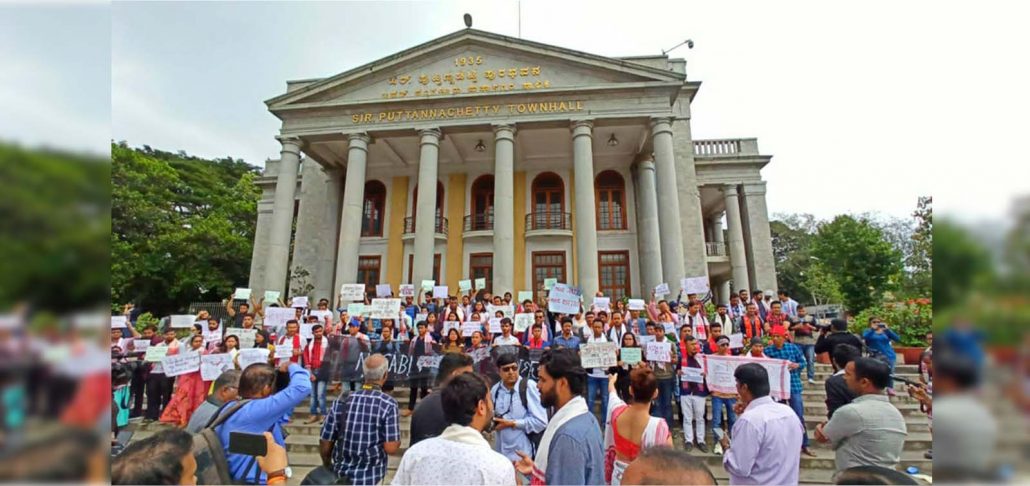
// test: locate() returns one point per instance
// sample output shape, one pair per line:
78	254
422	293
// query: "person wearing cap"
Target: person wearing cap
781	349
757	348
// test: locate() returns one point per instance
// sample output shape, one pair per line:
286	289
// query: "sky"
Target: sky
864	106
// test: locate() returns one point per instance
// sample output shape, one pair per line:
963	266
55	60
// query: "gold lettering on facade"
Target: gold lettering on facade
467	111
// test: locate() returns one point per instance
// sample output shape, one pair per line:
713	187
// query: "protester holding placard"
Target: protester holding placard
453	342
140	372
622	368
190	389
722	401
630	429
236	317
566	339
212	335
617	328
159	386
230	345
693	396
538	341
661	312
314	352
506	338
637	322
697	320
422	345
665	372
597	378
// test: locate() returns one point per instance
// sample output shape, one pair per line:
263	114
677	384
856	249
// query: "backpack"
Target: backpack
208	450
534	437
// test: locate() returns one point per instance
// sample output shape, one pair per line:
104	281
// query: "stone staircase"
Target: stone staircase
302	442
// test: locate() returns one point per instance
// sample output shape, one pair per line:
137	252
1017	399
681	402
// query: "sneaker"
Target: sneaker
687	446
702	447
808	452
718	449
811	381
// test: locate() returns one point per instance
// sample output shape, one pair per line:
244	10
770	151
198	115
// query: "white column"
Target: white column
724	292
504	209
586	217
668	203
350	216
282	215
647	226
761	237
425	211
735	233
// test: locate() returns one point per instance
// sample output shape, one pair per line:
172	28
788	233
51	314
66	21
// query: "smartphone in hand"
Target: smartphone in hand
248	444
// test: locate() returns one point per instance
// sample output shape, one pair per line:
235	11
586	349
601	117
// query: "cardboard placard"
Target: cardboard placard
525	295
385	308
464	285
355	309
250	356
213	365
384	290
549	283
658	352
480	283
182	321
631	356
597	355
271	296
603	303
300	301
563	299
523	321
241	294
140	345
635	304
440	292
406	290
181	363
246	337
276	317
352	292
119	322
155	353
662	289
495	325
428	285
695	285
468	328
736	341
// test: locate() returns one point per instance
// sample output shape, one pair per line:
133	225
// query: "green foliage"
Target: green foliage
182	227
911	320
862	261
920	261
145	319
300	282
960	262
55	211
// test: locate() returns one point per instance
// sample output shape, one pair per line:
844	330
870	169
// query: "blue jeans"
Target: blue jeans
717	406
809	352
318	406
798	405
663	406
598	386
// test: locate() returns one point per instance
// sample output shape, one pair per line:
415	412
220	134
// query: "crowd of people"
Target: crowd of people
563	424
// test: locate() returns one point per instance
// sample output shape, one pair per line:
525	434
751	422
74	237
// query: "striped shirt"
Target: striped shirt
372	420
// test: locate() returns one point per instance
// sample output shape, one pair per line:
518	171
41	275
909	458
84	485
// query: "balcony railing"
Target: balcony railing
726	147
479	222
441	225
549	221
715	248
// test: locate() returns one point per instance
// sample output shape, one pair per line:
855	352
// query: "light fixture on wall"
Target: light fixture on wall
479	146
612	141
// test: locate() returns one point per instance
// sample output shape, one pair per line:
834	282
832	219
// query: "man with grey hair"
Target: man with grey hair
362	428
226	389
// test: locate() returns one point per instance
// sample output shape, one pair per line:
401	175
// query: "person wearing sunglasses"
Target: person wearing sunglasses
519	418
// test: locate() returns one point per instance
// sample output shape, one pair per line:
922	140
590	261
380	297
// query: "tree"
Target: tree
920	261
960	264
859	257
792	236
182	227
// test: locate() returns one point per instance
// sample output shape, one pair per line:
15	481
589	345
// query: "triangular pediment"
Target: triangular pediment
471	62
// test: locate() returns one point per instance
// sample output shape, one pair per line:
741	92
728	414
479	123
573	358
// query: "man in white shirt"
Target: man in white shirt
790	306
506	338
597	378
698	321
722	317
617	328
460	455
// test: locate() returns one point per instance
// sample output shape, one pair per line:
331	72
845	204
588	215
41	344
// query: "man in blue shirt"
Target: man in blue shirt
566	339
264	412
781	349
517	409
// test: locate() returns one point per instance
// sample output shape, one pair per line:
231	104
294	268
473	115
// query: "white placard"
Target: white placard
506	310
464	285
181	364
563	299
603	303
660	352
322	315
385	308
695	285
597	355
353	292
719	373
523	321
306	332
182	321
468	328
692	375
481	283
635	304
428	361
246	337
736	341
250	356
212	336
118	322
155	353
276	317
662	289
241	294
140	345
213	365
406	290
384	291
645	338
669	327
271	296
300	301
428	285
495	325
448	325
284	351
440	292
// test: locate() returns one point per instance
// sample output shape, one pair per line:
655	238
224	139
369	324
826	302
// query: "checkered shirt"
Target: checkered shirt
790	352
372	420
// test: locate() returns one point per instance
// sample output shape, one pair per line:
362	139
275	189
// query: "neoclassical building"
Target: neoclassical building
477	155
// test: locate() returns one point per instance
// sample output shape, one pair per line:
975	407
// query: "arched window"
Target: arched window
374	209
482	203
439	207
548	202
611	201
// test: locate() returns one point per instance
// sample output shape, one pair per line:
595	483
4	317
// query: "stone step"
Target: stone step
907	409
813	394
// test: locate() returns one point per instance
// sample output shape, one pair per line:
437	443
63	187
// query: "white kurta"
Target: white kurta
458	456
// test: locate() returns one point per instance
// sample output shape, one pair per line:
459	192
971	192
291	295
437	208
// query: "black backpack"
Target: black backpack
208	450
534	437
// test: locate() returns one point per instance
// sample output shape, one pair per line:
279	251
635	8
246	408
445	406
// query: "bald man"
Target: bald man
665	465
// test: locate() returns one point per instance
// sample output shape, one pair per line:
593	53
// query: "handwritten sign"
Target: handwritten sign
505	310
719	372
182	321
563	299
480	283
355	309
635	304
440	292
429	361
241	294
118	322
155	353
246	337
549	283
213	365
385	308
523	321
692	375
284	351
736	341
212	336
495	325
251	356
695	285
464	285
180	364
276	317
479	354
669	327
384	290
322	315
645	338
662	289
353	292
428	285
406	290
631	356
602	303
306	331
140	345
300	301
470	327
597	355
525	295
658	352
448	325
272	295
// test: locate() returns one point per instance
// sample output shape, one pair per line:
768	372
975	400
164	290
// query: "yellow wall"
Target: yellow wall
395	244
456	226
520	233
574	269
